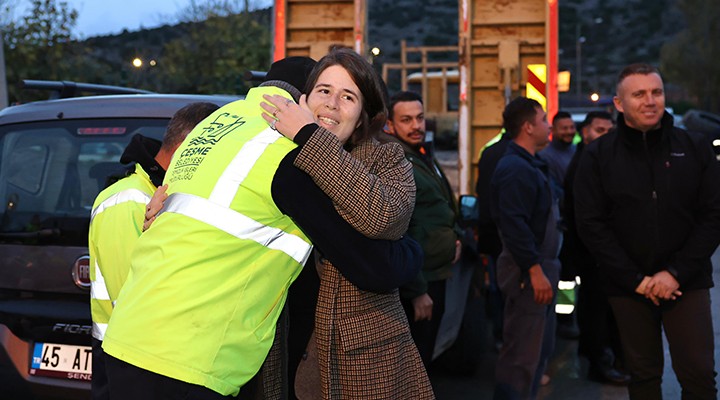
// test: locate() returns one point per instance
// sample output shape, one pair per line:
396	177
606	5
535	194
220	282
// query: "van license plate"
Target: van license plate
62	361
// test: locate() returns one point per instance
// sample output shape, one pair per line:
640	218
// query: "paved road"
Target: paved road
568	372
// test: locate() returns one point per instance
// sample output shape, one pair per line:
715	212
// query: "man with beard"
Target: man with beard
433	224
560	150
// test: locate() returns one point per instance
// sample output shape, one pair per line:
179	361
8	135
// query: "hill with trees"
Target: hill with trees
207	53
219	40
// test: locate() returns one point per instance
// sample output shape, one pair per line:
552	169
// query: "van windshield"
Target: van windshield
51	172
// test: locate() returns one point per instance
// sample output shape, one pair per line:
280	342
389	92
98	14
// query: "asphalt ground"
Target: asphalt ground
568	372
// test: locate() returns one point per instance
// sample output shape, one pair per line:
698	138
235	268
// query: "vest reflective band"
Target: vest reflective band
112	240
214	210
126	195
238	225
210	277
98	292
240	166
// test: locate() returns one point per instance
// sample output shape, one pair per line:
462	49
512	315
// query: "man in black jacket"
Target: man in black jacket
598	339
488	239
524	210
647	205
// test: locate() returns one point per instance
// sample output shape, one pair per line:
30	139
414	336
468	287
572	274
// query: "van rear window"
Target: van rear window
50	174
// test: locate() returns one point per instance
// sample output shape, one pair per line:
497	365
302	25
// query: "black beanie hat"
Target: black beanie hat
293	70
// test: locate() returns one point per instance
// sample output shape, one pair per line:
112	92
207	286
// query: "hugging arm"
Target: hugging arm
372	188
370	264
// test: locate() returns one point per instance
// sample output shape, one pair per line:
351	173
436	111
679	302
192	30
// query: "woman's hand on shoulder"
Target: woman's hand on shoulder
286	116
153	208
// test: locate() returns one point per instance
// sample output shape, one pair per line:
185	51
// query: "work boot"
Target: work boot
603	370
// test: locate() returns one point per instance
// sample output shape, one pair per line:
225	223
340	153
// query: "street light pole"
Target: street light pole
579	40
578	61
3	77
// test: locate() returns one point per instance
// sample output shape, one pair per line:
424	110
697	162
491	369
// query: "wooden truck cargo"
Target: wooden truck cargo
498	40
311	27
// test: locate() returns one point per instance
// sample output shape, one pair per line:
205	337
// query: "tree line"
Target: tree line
217	40
207	52
692	57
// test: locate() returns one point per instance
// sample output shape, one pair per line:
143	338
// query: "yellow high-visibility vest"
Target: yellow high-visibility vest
115	225
210	277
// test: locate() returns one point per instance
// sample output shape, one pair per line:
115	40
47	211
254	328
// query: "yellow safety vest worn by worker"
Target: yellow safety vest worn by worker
210	277
115	225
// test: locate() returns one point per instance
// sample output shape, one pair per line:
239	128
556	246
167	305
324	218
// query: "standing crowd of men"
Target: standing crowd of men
633	208
641	219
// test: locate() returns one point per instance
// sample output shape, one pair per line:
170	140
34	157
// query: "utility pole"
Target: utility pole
7	7
579	40
3	76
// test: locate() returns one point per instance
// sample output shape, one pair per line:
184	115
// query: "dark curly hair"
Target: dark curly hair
374	107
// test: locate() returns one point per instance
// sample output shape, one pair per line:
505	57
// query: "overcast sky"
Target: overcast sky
102	17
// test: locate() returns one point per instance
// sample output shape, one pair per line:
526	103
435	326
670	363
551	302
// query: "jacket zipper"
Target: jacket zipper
652	171
654	197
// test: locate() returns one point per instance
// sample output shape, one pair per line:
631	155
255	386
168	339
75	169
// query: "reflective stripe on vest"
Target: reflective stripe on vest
98	330
135	195
238	169
99	292
238	225
216	211
98	288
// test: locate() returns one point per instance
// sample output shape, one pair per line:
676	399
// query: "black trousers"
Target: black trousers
424	332
126	381
688	327
598	328
99	383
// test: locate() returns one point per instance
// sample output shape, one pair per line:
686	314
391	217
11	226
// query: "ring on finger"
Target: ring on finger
276	112
272	124
288	102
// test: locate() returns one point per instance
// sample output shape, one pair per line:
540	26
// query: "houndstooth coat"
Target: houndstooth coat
364	347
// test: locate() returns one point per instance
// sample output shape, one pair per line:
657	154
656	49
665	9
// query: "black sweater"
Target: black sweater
370	264
488	237
647	202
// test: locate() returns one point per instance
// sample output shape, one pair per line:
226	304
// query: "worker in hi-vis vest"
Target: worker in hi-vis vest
117	219
198	312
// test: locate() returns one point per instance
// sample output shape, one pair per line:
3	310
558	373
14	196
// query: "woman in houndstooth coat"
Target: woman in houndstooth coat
361	342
